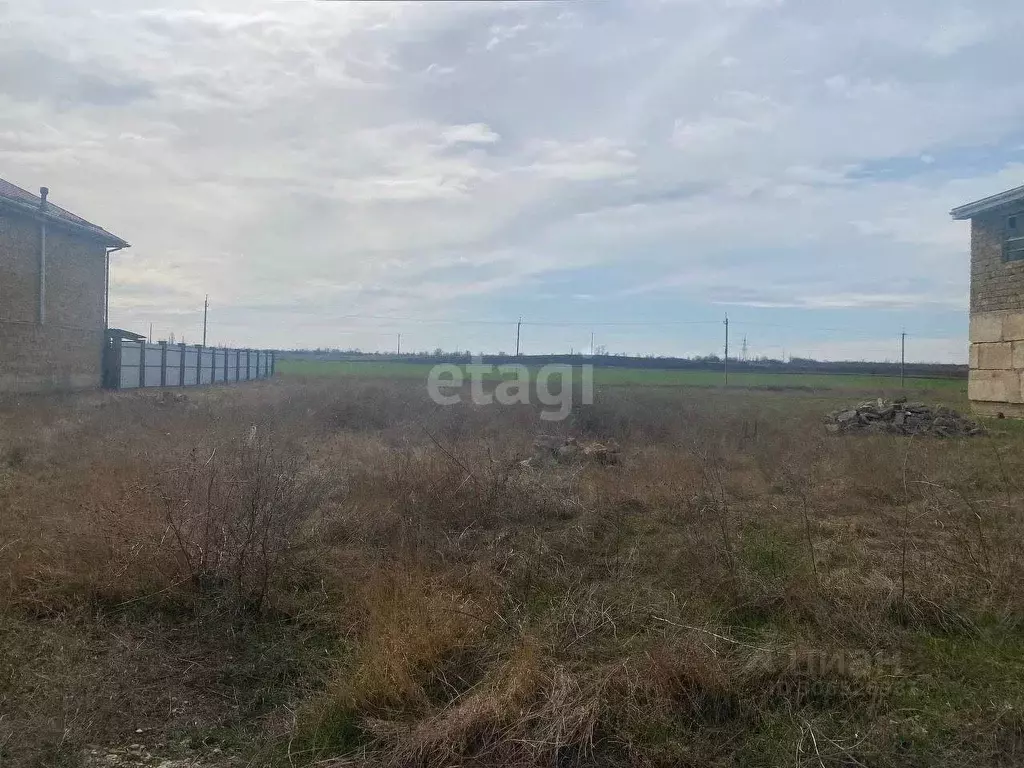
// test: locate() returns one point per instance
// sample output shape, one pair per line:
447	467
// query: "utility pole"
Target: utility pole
903	358
591	343
206	307
726	350
399	345
150	333
519	327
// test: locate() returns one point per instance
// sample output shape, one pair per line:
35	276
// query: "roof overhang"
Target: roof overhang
987	204
120	333
107	239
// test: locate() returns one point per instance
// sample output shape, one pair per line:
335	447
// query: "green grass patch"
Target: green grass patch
641	377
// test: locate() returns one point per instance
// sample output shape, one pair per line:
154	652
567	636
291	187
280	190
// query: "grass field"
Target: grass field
334	571
645	377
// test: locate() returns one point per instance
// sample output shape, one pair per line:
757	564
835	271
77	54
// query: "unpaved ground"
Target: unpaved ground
736	587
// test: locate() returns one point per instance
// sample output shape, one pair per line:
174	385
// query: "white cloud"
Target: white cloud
386	157
472	133
591	160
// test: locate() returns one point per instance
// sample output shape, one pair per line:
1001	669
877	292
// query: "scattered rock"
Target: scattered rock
899	417
549	449
170	397
138	756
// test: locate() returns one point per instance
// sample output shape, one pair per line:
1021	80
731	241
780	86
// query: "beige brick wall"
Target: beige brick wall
64	352
75	268
997	357
997	318
19	268
996	285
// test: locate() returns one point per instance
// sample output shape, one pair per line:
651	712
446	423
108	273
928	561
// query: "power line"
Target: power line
602	323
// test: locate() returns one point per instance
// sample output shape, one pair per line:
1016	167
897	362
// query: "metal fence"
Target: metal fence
130	364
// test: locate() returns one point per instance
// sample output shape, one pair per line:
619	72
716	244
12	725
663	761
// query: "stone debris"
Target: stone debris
170	397
898	417
139	756
130	757
550	449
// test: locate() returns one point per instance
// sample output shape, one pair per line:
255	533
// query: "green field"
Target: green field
645	377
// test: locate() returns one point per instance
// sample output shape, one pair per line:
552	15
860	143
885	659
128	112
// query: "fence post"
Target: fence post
142	363
225	365
117	361
163	363
273	363
199	364
248	363
181	365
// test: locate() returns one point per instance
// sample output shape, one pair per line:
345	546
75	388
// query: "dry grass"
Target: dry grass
340	572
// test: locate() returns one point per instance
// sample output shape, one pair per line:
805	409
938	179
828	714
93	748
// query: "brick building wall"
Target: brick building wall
997	318
65	351
996	285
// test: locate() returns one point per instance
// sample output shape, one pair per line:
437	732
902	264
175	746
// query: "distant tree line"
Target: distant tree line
699	363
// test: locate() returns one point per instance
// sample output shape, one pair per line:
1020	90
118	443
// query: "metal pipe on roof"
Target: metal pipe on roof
42	272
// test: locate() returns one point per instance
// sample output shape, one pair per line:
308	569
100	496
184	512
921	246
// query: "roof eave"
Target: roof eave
970	210
107	239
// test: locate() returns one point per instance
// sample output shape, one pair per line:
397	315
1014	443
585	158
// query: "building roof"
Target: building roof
15	198
970	210
121	333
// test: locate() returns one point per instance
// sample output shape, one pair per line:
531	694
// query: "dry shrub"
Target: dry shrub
239	516
666	704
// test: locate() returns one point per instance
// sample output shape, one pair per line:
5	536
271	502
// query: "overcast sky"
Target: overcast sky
334	174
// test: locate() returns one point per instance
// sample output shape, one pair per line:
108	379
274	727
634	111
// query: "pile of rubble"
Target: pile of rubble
548	450
898	417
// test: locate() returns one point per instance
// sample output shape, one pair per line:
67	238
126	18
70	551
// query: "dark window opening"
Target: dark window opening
1013	240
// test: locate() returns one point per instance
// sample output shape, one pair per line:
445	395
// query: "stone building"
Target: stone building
997	302
54	269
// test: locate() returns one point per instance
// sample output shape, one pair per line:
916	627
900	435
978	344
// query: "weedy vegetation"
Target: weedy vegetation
335	571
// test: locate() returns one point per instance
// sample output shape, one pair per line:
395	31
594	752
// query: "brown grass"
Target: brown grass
341	572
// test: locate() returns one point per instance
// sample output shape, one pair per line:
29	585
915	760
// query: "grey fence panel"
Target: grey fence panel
130	354
140	364
154	363
191	359
206	366
173	366
129	374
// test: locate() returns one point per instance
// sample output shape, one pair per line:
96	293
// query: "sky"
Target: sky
335	174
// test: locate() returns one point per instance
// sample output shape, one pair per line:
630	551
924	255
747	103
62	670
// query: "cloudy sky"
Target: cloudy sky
336	173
